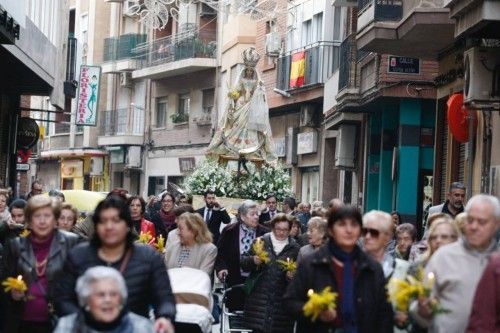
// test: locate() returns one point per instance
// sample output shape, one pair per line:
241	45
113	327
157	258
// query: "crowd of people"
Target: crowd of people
102	274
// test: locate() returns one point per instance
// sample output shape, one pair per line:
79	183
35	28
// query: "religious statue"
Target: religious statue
244	131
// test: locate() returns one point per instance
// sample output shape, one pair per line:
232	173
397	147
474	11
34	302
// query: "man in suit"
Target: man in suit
271	210
235	240
213	214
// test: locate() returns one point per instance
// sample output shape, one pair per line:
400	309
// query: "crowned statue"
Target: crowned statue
244	131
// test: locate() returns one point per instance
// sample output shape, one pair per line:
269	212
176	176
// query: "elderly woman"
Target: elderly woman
113	245
137	207
235	240
102	296
316	233
263	307
164	219
359	281
39	259
68	217
193	247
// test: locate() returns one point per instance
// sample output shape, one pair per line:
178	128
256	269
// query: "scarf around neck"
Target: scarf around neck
278	245
347	308
168	218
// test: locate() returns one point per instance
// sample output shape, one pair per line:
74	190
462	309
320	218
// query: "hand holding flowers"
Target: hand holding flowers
321	305
261	256
16	286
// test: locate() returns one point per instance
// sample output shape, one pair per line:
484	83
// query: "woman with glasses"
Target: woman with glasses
316	234
164	219
263	306
358	280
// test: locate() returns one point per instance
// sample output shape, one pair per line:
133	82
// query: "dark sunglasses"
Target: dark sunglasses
373	232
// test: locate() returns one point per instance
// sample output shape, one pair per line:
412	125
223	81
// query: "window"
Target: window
337	16
184	104
156	185
208	100
310	185
317	28
306	32
161	112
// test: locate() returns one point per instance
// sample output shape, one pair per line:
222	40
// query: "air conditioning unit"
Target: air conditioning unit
345	147
308	117
273	44
96	166
134	157
482	77
126	79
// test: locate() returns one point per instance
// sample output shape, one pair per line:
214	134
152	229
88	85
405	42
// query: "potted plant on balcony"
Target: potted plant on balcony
179	118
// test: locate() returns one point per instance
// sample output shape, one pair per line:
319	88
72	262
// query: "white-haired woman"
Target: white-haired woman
102	296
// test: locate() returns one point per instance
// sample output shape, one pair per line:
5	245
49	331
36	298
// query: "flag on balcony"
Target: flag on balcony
297	69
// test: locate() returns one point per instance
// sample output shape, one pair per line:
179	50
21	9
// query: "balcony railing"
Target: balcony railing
185	45
321	60
117	48
385	10
348	59
127	121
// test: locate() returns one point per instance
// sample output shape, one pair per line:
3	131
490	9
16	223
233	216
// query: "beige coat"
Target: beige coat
201	256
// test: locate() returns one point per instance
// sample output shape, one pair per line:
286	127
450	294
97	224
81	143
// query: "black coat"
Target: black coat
266	217
373	312
218	217
145	276
19	259
264	309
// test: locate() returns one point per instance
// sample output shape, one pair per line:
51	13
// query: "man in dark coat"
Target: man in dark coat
213	214
271	210
231	246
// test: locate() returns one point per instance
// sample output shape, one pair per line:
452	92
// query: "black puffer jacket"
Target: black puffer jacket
19	259
373	312
264	309
146	278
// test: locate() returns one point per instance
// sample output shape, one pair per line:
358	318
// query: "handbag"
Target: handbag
53	317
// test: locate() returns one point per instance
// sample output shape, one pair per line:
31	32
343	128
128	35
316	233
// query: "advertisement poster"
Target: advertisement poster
88	95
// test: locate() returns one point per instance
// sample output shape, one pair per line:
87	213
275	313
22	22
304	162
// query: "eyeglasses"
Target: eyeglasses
443	237
168	200
373	232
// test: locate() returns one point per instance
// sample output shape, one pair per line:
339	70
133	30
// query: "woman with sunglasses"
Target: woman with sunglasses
358	280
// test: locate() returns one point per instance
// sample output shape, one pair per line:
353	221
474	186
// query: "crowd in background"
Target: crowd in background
98	272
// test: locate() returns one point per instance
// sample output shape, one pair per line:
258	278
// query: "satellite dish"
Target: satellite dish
457	118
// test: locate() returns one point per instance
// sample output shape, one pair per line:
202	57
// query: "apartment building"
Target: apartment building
33	54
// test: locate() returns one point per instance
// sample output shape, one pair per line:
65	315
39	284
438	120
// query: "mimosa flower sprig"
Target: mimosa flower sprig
144	238
288	265
16	284
319	302
258	249
160	244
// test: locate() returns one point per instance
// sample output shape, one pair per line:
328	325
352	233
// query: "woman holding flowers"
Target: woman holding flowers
193	247
360	304
137	207
271	261
113	245
36	259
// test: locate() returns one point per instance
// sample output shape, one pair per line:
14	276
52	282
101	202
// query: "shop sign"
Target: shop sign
307	143
71	168
186	164
403	65
27	133
280	146
88	95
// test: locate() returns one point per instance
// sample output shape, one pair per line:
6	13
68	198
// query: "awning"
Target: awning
72	153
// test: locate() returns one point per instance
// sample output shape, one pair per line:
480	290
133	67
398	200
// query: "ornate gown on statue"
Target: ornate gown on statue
244	129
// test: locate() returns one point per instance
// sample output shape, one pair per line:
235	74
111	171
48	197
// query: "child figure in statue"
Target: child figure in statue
244	130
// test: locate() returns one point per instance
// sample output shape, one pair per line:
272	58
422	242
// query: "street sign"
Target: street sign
22	166
403	65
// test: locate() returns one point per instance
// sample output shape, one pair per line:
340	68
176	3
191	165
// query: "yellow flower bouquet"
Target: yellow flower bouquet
144	238
234	95
25	233
319	302
160	244
258	249
288	265
16	284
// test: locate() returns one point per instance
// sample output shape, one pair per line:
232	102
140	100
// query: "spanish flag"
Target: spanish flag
297	69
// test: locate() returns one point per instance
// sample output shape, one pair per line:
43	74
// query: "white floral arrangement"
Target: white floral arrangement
211	175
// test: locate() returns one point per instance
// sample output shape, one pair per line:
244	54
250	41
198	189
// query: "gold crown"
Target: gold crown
250	57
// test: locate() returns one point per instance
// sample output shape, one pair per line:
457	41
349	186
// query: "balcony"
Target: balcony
121	127
321	60
348	91
187	52
475	18
403	27
117	54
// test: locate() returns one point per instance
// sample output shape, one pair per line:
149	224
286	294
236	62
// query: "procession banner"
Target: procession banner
88	95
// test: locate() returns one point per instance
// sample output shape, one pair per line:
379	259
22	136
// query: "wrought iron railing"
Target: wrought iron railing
348	60
185	45
321	60
117	48
385	10
127	121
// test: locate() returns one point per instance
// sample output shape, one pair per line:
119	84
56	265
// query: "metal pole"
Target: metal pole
470	155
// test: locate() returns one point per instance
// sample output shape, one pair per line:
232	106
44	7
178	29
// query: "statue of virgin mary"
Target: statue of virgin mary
244	130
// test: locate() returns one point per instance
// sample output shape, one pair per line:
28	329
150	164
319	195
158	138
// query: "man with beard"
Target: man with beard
213	214
455	203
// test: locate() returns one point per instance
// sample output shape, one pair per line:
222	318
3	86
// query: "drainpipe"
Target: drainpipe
470	161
